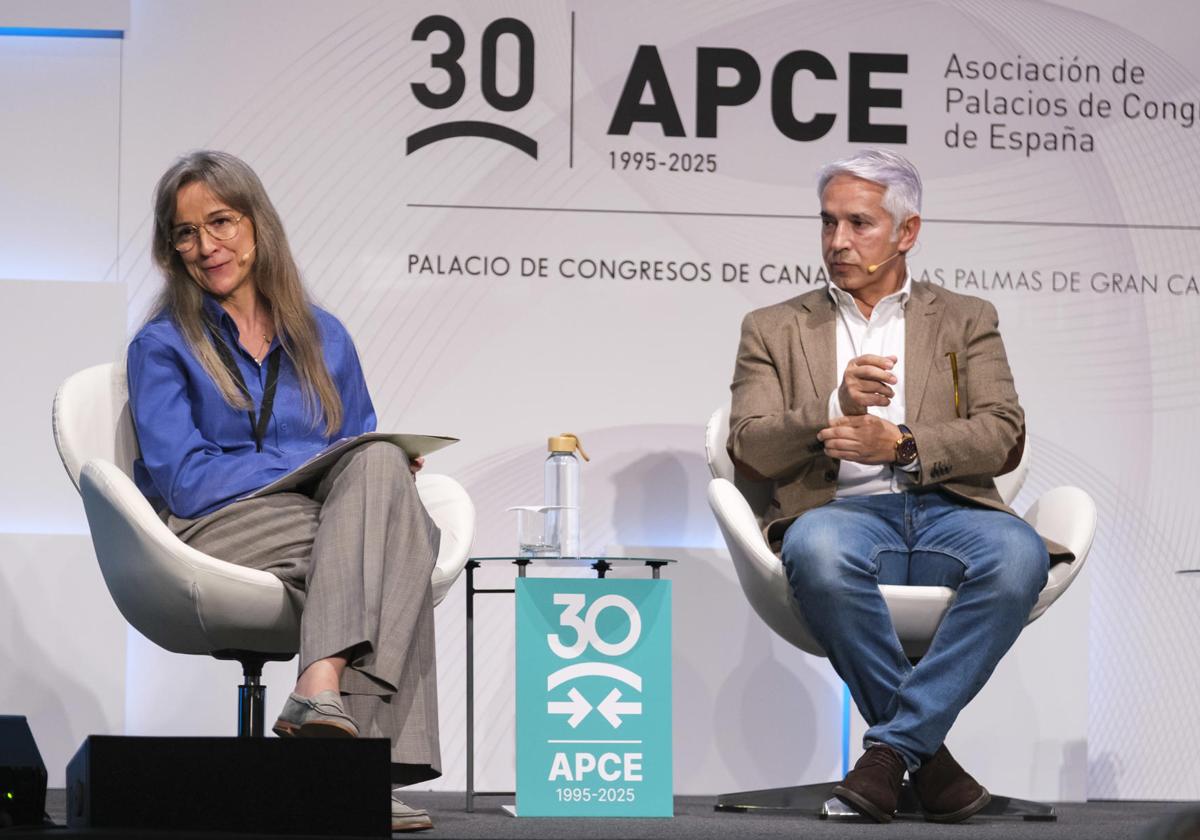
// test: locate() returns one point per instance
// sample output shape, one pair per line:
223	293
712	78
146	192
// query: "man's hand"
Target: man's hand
866	382
862	438
414	466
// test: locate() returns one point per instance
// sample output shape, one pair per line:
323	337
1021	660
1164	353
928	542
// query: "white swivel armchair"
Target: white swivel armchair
1066	515
182	599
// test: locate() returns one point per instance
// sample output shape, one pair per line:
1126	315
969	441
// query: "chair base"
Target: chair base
818	801
252	694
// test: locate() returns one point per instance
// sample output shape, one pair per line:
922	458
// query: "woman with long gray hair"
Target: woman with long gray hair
235	380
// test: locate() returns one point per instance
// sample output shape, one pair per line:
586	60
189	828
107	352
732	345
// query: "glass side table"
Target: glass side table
601	565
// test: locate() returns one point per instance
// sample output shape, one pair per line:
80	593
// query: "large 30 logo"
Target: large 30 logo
723	79
448	61
587	634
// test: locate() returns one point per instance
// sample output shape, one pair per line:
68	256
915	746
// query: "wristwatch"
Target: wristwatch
906	447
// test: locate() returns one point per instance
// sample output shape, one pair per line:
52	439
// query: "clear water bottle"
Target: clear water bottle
562	492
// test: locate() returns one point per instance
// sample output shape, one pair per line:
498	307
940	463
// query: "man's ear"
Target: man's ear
908	233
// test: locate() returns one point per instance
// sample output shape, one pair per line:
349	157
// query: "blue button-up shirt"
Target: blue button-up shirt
198	452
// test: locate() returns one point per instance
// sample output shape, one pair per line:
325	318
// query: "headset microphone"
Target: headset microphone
242	259
871	269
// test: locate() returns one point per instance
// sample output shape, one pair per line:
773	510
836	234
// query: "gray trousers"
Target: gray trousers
357	552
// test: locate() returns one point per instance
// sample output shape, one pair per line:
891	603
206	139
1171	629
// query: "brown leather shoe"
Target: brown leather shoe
947	792
873	786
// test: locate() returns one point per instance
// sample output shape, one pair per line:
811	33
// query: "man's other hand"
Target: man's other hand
866	382
861	438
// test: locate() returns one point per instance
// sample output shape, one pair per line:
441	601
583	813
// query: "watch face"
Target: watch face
906	451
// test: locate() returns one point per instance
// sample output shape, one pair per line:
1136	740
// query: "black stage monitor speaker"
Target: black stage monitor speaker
317	786
22	775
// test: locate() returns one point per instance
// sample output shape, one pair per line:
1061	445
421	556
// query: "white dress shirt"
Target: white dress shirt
880	335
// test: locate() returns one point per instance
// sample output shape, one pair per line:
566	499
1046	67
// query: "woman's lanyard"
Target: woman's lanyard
257	426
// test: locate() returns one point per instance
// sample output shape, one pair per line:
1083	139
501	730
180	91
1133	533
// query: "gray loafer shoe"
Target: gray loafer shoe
319	716
407	818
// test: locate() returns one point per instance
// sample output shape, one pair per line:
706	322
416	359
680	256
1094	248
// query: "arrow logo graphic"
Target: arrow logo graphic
578	707
612	709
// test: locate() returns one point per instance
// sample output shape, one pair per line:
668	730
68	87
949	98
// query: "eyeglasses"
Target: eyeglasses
222	228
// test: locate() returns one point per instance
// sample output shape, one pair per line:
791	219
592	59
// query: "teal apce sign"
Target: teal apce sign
593	698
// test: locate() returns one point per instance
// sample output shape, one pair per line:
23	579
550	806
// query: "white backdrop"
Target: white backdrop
1089	254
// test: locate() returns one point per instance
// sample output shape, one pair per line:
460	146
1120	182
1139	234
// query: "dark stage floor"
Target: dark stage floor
696	820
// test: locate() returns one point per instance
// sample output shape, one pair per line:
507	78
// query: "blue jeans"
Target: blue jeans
836	556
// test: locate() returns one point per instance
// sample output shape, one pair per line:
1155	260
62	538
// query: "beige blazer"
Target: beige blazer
786	370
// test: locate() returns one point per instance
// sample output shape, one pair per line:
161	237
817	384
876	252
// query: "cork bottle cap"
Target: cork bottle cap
566	442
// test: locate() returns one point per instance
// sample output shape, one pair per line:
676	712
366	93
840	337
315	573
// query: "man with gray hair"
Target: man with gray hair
881	410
